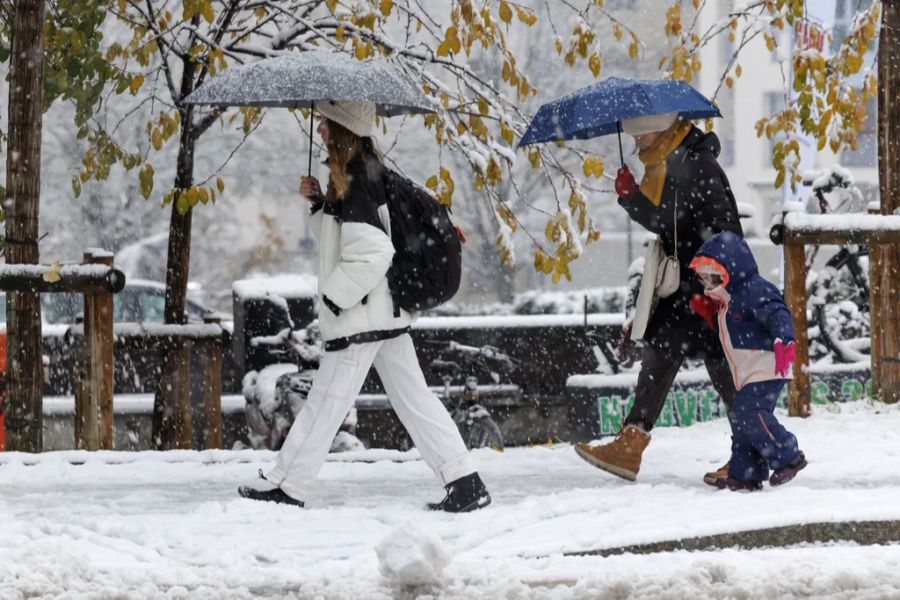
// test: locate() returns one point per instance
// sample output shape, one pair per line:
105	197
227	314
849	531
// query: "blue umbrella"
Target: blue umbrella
599	109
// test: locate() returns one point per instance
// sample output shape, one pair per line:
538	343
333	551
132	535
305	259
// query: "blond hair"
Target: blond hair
343	146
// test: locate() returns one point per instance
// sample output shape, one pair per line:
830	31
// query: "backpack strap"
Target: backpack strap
386	185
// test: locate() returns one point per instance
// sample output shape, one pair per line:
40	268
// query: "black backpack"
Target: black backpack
427	264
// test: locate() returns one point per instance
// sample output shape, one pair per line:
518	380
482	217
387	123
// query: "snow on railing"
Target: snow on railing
803	228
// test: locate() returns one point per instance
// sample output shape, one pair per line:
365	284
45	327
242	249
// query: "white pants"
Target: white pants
340	377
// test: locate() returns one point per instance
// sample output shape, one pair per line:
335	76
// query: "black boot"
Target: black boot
274	495
463	495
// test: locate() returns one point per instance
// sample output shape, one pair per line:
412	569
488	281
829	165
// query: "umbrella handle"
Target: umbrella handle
619	135
311	117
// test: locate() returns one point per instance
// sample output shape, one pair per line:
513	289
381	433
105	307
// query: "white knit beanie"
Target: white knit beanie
649	123
358	117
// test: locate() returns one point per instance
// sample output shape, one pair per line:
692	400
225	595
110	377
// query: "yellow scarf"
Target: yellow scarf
654	159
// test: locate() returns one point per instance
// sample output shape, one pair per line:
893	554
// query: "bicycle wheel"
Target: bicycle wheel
480	430
840	300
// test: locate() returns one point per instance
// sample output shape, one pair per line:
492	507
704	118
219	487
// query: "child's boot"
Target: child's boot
738	485
788	471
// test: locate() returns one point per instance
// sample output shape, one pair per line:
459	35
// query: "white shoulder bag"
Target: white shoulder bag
661	279
668	274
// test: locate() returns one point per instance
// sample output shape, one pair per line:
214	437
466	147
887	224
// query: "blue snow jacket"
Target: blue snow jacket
752	313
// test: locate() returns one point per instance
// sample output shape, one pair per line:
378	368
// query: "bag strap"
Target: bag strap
675	225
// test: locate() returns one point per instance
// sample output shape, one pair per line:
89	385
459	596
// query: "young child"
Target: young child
754	326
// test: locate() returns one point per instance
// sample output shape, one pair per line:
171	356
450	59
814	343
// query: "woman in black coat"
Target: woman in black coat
685	195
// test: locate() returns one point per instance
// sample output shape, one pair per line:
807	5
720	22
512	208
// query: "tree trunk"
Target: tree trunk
886	358
171	407
24	374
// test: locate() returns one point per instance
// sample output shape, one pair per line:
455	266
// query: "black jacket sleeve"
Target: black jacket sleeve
641	211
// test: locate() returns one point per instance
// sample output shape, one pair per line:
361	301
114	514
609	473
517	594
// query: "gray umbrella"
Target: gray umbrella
300	80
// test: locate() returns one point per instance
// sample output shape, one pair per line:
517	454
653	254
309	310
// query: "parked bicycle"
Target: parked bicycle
276	394
839	292
460	363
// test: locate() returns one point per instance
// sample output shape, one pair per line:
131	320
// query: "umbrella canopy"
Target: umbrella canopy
301	79
600	108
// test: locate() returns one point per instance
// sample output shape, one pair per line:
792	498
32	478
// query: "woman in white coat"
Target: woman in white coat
362	327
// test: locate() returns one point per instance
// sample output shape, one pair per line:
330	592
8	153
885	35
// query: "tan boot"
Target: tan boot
620	457
712	478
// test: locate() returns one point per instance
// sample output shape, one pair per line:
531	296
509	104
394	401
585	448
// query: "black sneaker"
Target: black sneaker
788	471
274	495
463	495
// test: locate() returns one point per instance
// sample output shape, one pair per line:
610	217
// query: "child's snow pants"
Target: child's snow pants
758	441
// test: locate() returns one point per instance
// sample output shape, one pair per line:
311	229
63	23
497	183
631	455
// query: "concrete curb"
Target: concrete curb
861	532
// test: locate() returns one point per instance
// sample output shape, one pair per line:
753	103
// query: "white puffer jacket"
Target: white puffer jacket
355	252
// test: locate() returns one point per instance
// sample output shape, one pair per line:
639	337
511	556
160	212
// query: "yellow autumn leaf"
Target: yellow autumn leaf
592	166
526	16
146	180
206	9
359	50
136	82
506	133
51	275
595	64
386	7
505	12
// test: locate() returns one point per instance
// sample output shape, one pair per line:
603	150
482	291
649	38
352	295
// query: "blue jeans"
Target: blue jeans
758	441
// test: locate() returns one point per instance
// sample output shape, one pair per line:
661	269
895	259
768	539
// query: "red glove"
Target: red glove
626	187
706	307
784	357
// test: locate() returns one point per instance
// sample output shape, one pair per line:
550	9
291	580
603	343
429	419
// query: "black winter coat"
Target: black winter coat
706	207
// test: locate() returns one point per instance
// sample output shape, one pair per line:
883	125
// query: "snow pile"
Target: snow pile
411	557
283	286
170	524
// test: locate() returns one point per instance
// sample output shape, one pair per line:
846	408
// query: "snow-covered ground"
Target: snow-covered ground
148	525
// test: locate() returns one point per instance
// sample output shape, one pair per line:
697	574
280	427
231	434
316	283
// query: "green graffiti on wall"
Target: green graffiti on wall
695	404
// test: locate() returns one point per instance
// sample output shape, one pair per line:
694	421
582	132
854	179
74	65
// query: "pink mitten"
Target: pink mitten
784	357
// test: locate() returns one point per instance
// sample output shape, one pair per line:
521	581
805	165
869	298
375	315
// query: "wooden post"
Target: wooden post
24	373
172	427
94	367
98	335
87	434
886	293
212	387
795	295
876	267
